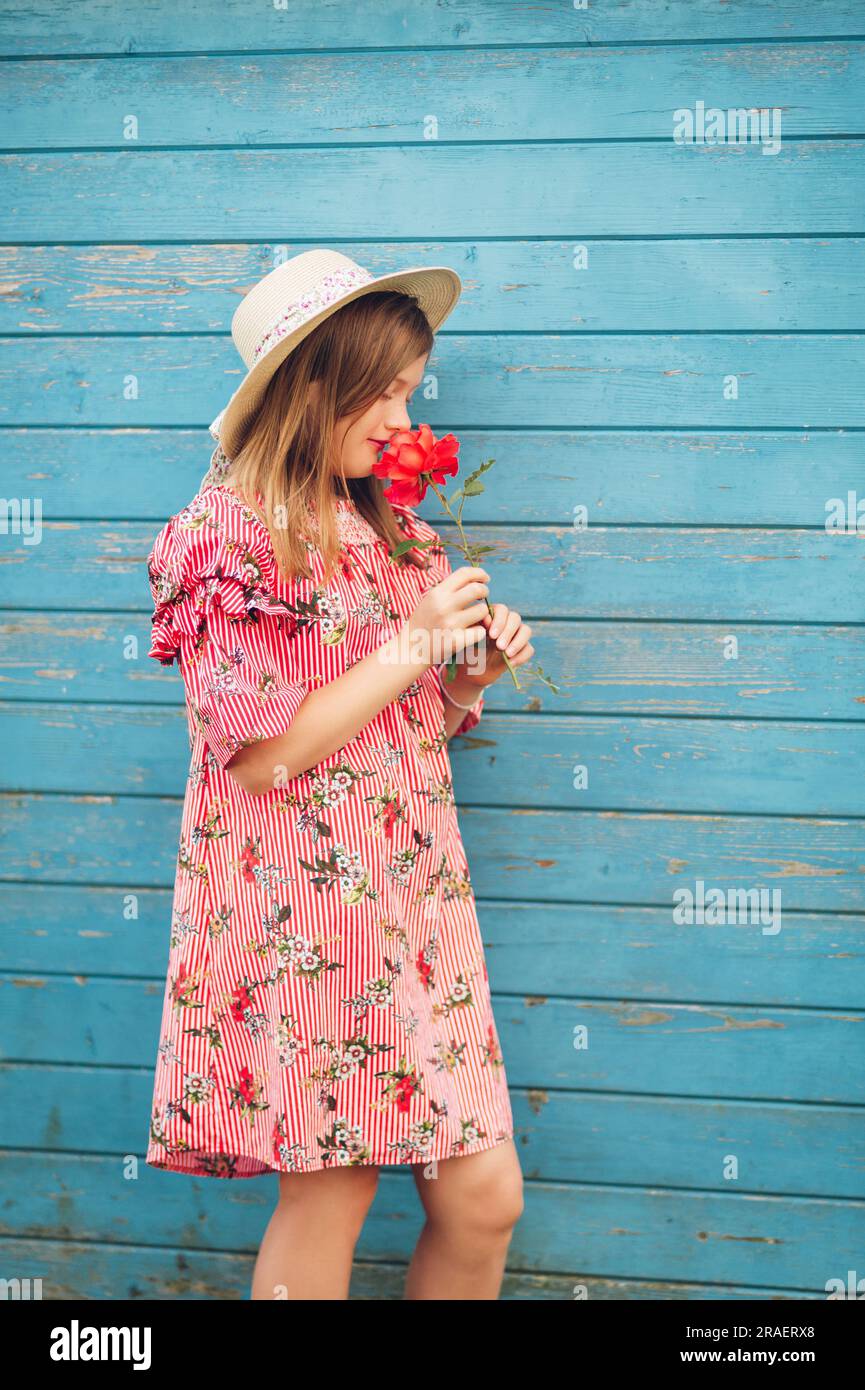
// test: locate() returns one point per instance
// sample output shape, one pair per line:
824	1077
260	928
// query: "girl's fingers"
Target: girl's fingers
518	642
510	633
511	624
474	613
500	612
466	574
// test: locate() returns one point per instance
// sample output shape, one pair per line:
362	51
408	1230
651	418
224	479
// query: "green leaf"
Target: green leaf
409	545
481	468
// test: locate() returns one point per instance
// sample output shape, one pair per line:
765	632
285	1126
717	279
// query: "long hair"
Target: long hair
289	457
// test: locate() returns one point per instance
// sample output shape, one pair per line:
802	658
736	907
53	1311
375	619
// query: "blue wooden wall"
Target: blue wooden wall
667	335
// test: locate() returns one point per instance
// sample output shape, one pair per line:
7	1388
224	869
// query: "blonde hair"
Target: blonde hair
288	463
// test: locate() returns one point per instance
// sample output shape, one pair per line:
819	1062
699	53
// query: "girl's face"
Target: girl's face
361	441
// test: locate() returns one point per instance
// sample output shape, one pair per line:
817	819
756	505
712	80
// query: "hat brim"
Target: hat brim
437	289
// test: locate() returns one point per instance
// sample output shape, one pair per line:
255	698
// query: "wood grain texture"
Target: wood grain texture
573	381
187	27
474	94
574	190
716	1236
94	1269
675	284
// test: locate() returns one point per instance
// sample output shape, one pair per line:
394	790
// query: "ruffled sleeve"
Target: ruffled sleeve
440	567
212	576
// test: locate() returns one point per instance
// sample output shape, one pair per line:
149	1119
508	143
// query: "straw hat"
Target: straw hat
295	298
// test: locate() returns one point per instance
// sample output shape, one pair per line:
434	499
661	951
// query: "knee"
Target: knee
503	1205
493	1208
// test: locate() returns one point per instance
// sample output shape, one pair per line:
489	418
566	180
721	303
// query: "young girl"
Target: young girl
327	1008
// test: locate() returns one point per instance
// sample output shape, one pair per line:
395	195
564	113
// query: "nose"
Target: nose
398	420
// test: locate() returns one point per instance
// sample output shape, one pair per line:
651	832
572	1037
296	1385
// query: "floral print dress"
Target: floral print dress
326	998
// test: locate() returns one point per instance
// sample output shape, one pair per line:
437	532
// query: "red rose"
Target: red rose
412	459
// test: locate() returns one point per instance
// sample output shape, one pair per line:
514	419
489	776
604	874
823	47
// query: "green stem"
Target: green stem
466	550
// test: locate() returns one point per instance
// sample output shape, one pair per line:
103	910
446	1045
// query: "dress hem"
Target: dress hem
212	1163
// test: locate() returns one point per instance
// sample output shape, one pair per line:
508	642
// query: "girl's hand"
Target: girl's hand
445	621
506	632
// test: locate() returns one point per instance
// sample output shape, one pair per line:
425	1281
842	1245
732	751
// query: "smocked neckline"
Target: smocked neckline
352	526
226	487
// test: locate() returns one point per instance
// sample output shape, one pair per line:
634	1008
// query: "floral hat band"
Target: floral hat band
292	300
331	288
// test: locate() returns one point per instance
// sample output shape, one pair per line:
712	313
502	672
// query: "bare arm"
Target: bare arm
330	717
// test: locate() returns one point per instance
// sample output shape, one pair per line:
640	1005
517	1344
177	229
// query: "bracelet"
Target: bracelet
458	703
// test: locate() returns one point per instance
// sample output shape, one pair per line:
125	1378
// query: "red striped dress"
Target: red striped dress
326	997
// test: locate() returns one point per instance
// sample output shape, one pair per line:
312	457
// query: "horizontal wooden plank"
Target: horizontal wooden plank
628	1139
672	765
700	575
653	668
529	190
647	1048
100	1270
595	762
476	94
611	856
679	1143
643	954
630	953
541	476
694	1049
602	667
91	27
714	285
577	381
614	1232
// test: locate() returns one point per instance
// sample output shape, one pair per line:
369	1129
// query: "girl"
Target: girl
327	1008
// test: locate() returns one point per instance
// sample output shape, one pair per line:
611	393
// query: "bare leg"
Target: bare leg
307	1250
471	1205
